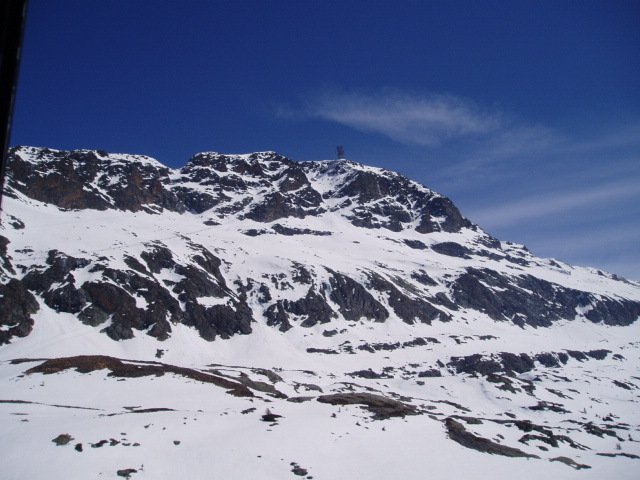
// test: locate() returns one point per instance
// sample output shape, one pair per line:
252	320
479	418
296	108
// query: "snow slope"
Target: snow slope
298	281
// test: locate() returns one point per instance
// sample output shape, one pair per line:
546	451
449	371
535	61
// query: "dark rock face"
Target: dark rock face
275	207
441	208
416	244
452	249
111	301
222	320
62	439
618	312
382	407
354	301
536	302
512	364
113	298
86	179
369	374
5	261
311	309
17	305
282	230
128	369
476	363
407	308
458	433
58	271
77	180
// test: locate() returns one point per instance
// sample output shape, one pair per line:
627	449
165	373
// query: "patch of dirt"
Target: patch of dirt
118	368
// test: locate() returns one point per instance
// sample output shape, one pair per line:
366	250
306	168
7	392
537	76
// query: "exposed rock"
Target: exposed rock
283	230
550	406
476	363
407	308
5	260
158	257
77	180
159	288
415	244
310	310
381	407
422	277
369	374
570	462
354	301
618	454
326	351
458	433
298	470
126	473
17	305
452	249
62	439
438	214
222	320
529	300
276	206
119	368
270	417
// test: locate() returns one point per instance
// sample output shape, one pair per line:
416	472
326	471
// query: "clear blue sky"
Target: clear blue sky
525	113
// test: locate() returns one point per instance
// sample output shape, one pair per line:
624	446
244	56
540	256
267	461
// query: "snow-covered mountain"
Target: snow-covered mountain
172	308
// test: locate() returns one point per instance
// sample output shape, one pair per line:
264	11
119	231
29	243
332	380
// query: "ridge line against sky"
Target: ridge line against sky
526	114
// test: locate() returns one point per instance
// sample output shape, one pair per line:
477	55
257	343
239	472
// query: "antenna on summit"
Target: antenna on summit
340	152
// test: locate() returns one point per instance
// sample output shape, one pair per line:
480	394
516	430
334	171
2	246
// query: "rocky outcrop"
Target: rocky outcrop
309	311
408	309
354	301
17	305
458	433
129	369
381	407
513	364
91	179
114	301
525	299
452	249
5	261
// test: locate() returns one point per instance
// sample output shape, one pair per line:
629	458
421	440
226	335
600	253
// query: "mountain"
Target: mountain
384	332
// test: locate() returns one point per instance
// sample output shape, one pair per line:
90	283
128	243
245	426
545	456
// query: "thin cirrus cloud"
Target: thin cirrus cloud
540	206
427	120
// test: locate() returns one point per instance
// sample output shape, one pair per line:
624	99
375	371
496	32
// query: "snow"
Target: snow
217	440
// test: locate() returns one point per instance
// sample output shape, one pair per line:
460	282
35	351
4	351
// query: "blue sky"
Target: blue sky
526	114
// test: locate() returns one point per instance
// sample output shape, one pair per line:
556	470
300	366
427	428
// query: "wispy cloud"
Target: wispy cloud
549	204
427	119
